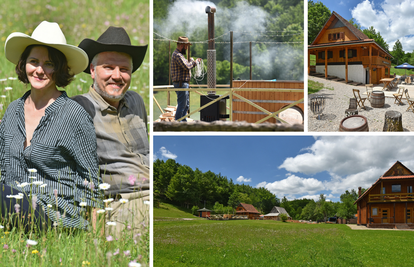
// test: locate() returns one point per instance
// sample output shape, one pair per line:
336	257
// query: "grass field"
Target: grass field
78	19
314	87
271	243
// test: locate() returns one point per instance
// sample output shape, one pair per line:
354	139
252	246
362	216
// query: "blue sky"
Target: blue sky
291	166
392	18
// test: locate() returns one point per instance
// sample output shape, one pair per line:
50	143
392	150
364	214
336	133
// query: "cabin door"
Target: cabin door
367	76
409	215
384	215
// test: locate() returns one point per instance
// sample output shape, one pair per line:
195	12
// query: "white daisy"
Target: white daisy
111	223
108	208
32	170
32	177
12	78
83	204
123	200
100	211
147	202
18	197
134	264
8	88
1	226
49	206
31	242
104	186
43	185
3	80
37	182
20	194
3	96
108	200
10	196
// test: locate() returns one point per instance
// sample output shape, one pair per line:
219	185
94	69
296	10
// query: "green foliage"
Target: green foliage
398	53
372	34
355	24
347	208
318	14
283	217
194	210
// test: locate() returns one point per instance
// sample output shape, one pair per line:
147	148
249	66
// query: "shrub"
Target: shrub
283	217
194	210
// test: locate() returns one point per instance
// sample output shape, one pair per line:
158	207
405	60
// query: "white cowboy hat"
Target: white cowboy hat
49	34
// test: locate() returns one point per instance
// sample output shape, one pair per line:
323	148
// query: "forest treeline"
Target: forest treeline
181	185
275	27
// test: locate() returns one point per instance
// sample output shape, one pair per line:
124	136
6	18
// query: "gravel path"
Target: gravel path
337	101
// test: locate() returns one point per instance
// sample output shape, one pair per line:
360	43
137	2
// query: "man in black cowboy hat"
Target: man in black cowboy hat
180	74
120	121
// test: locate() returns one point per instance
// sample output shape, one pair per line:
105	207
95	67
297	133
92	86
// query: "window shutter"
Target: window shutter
330	37
342	36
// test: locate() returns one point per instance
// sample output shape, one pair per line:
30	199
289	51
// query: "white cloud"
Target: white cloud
167	154
154	157
393	19
293	185
241	179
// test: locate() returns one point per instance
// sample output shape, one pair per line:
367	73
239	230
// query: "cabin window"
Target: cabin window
321	55
342	53
352	53
336	36
396	188
383	190
330	54
409	189
374	211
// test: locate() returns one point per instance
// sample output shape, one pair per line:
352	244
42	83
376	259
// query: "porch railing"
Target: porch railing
394	197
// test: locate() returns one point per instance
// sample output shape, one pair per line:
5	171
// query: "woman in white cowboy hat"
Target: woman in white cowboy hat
47	140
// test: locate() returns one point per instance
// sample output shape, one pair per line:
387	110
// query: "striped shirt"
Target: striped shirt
122	137
180	67
62	150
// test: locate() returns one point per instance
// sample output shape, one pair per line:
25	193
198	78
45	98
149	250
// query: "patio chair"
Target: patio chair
410	101
352	110
369	88
360	100
398	96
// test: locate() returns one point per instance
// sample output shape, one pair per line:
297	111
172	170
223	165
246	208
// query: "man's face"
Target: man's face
183	49
112	75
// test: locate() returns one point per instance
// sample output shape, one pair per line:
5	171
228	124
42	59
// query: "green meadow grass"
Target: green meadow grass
314	87
78	19
272	243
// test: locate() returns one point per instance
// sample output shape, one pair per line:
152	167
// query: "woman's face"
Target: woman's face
39	69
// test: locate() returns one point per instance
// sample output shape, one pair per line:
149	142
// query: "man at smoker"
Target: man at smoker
181	74
120	121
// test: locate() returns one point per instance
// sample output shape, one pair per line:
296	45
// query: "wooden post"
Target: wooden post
326	63
169	71
231	61
308	62
250	60
188	59
370	64
346	64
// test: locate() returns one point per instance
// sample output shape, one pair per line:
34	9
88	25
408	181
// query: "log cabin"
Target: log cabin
204	213
248	210
345	52
389	202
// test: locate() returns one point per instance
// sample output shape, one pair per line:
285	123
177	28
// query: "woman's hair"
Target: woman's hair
60	75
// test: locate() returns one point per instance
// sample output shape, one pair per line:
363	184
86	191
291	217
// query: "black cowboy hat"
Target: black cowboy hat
114	39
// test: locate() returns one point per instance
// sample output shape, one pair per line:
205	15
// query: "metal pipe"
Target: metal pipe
251	61
169	71
231	59
211	52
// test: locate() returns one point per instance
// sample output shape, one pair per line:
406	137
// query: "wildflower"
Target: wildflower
37	182
111	223
57	215
12	78
32	170
116	252
83	204
108	208
13	250
82	80
8	88
100	211
20	194
22	184
123	200
18	197
6	233
32	177
55	192
132	179
3	80
91	186
85	182
35	251
31	242
127	253
108	200
17	207
85	263
6	247
138	234
3	96
49	206
134	264
129	227
10	196
104	186
43	185
1	226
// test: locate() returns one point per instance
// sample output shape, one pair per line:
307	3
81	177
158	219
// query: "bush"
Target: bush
194	210
283	217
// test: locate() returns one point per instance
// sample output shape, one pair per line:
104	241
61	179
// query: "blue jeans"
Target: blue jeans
183	100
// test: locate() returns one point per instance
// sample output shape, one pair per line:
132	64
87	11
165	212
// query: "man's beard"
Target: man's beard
183	51
105	94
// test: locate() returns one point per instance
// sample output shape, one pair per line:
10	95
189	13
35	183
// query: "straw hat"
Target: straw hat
183	40
114	39
49	34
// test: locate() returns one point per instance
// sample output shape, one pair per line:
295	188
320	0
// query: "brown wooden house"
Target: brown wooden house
389	202
249	210
275	214
344	51
204	212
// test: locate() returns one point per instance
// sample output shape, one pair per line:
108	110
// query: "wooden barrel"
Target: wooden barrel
355	123
377	99
293	115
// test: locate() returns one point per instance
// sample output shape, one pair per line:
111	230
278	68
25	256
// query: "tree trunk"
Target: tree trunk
393	121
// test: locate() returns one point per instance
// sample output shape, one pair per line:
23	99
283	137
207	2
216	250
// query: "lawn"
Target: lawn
78	19
314	87
271	243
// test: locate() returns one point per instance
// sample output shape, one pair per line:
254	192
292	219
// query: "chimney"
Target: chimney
359	191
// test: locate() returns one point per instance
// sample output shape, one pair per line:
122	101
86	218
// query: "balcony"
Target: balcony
394	197
376	60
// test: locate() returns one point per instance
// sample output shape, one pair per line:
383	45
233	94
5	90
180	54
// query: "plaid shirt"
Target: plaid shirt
62	150
180	67
122	137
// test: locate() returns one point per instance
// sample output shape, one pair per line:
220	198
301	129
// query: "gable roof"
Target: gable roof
248	207
390	174
276	211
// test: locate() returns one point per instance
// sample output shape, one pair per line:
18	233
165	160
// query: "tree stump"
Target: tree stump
393	121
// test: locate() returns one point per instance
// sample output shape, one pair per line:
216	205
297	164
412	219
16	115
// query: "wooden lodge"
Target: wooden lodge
345	52
389	202
275	214
249	210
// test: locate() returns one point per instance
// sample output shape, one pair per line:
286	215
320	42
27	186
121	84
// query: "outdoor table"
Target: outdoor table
387	83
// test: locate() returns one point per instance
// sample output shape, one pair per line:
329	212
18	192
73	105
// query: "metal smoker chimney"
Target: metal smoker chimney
211	51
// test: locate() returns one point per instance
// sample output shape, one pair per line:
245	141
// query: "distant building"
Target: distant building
275	214
343	51
204	213
248	210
